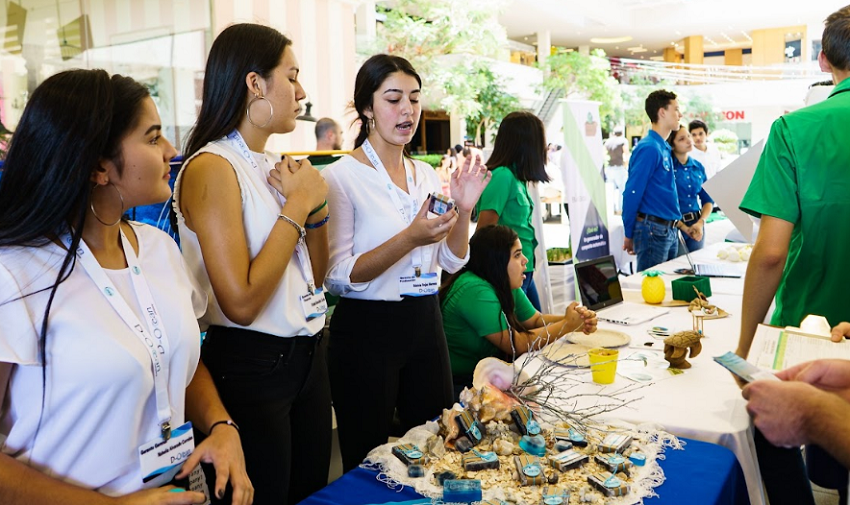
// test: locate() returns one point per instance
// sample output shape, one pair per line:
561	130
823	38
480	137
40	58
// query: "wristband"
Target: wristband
317	209
317	224
300	229
224	421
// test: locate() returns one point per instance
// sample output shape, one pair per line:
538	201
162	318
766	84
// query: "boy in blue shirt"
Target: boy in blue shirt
650	202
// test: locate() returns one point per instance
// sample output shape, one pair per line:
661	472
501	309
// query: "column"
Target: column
733	57
544	47
694	52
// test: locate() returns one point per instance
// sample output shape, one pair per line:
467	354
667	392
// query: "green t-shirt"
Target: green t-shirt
508	197
803	177
471	311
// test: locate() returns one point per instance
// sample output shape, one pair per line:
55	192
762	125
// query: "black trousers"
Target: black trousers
783	473
276	389
386	357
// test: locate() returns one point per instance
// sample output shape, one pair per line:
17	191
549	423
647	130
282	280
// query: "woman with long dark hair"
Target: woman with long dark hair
253	233
387	348
518	159
485	312
99	339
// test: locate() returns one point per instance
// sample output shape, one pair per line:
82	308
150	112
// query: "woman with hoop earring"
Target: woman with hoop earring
253	232
99	336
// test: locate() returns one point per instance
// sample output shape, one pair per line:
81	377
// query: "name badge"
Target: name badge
314	304
424	285
165	457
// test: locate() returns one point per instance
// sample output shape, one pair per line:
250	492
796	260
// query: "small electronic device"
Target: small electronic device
440	204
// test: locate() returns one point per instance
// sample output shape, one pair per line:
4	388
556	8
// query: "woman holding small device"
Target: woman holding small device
485	312
519	159
387	347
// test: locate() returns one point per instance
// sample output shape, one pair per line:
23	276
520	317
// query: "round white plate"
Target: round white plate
567	354
601	338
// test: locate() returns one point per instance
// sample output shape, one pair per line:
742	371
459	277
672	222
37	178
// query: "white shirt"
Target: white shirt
100	404
261	204
363	216
710	159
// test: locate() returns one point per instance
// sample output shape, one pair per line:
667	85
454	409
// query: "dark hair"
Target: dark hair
323	126
658	99
371	75
671	139
836	39
72	121
237	51
458	148
697	124
489	255
521	146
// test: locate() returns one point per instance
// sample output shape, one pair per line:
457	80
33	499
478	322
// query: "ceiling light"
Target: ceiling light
637	49
610	40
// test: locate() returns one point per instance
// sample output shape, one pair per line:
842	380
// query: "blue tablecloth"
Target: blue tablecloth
701	474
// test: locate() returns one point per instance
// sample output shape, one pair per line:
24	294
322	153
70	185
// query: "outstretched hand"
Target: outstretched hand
468	182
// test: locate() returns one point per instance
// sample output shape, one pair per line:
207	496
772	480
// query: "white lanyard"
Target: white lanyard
369	151
301	251
154	337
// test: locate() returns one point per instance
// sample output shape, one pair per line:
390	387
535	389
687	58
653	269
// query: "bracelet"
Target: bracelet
317	209
224	421
317	224
302	233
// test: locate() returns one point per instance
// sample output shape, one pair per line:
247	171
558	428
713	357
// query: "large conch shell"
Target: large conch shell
497	373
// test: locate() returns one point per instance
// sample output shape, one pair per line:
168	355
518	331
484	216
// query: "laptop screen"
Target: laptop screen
598	283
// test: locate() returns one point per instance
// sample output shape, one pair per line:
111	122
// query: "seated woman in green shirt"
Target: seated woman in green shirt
518	159
485	313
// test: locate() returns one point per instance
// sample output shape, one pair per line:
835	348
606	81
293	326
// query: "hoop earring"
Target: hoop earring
372	123
91	206
248	110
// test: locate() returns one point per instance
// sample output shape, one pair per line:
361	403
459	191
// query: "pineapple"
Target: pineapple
652	288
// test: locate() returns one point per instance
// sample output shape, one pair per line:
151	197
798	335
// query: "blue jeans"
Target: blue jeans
654	243
530	290
692	244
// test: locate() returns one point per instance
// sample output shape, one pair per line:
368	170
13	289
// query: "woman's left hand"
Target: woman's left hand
223	449
468	182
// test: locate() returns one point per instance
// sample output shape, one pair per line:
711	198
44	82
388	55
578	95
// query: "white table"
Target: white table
704	403
719	285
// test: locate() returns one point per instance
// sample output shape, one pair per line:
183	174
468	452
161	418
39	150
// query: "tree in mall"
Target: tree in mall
449	42
586	76
491	97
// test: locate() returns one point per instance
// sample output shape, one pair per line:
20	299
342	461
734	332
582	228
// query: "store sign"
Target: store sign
733	115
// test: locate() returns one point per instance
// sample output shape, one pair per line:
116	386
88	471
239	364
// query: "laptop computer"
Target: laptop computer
599	287
710	270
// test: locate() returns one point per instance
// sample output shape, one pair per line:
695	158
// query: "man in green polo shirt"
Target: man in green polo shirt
801	192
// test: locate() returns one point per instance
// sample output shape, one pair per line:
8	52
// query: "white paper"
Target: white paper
777	349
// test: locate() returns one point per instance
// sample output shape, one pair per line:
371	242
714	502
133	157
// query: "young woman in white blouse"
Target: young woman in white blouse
99	340
387	346
253	232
